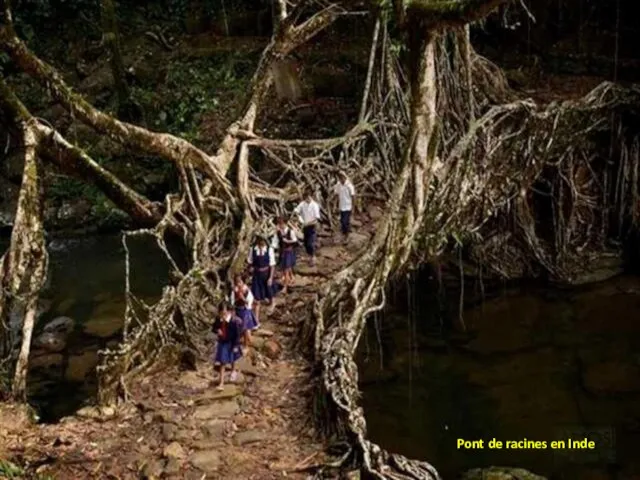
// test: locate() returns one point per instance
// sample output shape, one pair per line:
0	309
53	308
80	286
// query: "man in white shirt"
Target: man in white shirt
309	214
345	192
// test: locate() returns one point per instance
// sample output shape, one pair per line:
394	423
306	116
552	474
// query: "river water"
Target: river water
86	284
540	364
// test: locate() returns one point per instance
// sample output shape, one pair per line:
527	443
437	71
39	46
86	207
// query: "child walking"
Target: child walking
228	329
262	262
242	299
309	213
287	240
345	192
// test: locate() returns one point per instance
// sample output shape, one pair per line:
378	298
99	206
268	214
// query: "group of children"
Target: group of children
240	314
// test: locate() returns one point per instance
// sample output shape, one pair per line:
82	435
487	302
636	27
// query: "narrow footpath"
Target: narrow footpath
177	426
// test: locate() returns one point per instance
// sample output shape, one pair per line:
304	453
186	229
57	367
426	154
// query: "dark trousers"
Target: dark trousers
309	239
345	222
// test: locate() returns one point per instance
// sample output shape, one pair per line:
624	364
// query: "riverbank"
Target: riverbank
177	426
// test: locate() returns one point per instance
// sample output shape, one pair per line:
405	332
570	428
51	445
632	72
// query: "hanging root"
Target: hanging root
469	161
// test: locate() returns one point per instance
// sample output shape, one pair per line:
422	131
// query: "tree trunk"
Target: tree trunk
360	286
27	257
111	37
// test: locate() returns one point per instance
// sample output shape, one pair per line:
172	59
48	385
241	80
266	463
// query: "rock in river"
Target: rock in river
50	342
612	378
80	365
106	320
500	473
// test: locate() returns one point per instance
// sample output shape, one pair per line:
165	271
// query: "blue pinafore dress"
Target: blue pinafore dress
249	321
287	250
228	349
261	272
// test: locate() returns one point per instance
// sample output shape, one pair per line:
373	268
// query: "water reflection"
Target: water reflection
86	284
541	365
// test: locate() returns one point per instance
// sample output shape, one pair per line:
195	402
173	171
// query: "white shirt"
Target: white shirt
345	192
260	251
288	237
248	297
308	212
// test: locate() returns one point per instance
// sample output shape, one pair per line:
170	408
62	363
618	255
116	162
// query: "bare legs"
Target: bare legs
287	279
222	368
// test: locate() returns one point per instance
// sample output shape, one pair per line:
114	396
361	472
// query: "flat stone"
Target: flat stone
263	332
331	253
272	349
357	241
248	437
166	416
246	367
153	469
214	428
173	466
193	380
173	450
206	460
258	342
230	391
208	443
306	270
184	435
224	409
169	431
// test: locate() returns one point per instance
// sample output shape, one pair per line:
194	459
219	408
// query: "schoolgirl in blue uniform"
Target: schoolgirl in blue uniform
228	329
242	299
287	241
262	263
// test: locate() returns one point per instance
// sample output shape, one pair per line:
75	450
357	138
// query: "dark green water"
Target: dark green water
86	283
542	365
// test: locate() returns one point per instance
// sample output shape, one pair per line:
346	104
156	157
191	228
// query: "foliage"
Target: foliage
31	15
10	470
196	87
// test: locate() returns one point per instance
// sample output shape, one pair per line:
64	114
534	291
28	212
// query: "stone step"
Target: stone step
223	409
230	391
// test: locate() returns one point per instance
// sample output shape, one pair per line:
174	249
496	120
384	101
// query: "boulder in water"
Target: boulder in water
50	342
612	378
500	473
60	325
46	361
80	365
106	320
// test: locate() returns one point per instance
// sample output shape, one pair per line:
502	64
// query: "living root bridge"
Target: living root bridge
456	164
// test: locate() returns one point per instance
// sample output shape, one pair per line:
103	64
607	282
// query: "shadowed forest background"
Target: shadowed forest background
515	318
